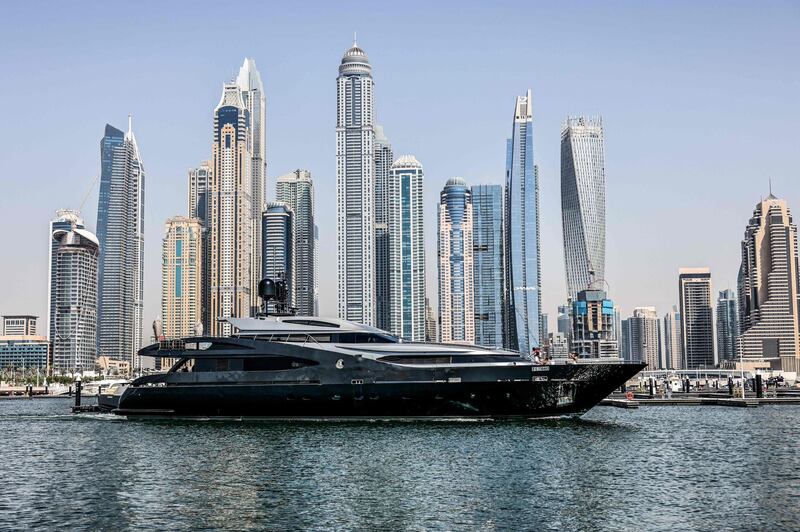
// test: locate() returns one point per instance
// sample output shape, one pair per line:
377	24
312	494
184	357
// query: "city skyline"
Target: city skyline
634	292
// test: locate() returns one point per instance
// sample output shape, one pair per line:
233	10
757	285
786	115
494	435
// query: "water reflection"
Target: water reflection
654	468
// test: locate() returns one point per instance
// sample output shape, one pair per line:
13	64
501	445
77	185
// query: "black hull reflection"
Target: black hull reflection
523	391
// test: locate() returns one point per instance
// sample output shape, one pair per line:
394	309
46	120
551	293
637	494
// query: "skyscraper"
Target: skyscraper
355	192
181	276
430	323
404	203
583	202
120	232
643	339
383	164
727	325
254	100
229	221
197	208
769	294
673	345
199	181
456	306
697	318
487	268
564	322
523	265
593	326
65	220
278	228
74	299
296	190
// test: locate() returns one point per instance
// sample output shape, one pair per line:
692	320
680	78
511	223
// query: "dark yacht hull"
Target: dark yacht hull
467	392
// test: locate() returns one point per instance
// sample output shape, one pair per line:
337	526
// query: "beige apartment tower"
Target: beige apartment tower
181	276
768	287
230	224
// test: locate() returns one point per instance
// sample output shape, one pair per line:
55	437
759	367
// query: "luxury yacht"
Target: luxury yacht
297	367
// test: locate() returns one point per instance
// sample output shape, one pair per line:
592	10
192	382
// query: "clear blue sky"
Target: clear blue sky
699	100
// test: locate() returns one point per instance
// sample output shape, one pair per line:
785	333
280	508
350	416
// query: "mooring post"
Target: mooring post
78	392
730	386
759	386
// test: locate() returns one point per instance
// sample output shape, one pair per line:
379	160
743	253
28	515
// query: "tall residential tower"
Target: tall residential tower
456	306
230	224
355	187
120	232
523	267
697	317
254	100
296	190
583	202
404	203
769	294
487	245
384	156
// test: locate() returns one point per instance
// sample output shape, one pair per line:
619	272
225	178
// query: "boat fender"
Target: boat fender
339	364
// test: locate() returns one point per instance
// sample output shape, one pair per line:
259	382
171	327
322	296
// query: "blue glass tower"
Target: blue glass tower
487	243
523	265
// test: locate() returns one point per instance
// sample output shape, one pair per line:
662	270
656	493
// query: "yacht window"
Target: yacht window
275	363
185	365
416	360
364	338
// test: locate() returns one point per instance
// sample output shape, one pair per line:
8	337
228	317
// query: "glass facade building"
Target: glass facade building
697	317
296	190
404	202
120	231
487	245
278	228
523	265
384	157
583	203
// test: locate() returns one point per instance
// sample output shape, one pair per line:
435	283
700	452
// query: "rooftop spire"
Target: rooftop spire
355	40
130	123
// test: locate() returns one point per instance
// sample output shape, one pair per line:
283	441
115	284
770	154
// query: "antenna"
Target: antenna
770	186
355	39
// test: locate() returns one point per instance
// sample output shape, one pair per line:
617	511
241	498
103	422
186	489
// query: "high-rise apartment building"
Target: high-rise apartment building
199	182
74	298
769	294
120	232
355	187
65	220
563	321
456	304
697	317
727	325
278	228
19	325
296	190
523	262
487	267
404	203
181	276
254	100
197	208
583	202
672	343
593	326
430	323
384	157
643	342
230	225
